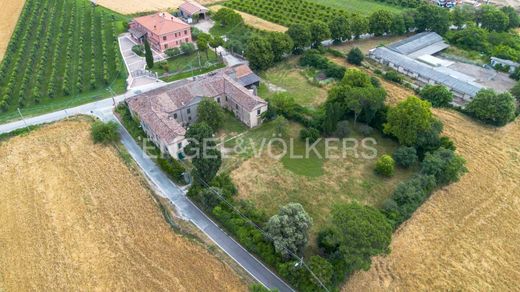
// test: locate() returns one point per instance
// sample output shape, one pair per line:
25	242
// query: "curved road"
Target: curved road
104	110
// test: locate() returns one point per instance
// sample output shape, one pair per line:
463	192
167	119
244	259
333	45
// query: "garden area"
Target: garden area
186	63
73	60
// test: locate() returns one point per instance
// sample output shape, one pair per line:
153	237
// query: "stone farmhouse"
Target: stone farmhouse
165	113
163	31
414	56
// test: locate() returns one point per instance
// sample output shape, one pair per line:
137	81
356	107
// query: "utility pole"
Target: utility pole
23	119
113	94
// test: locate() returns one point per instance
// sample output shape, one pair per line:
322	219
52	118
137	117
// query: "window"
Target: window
258	112
226	98
218	99
164	38
176	42
236	106
189	110
189	118
187	40
185	32
165	46
179	146
175	116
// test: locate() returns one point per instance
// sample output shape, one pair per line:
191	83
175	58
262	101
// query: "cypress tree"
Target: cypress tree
148	54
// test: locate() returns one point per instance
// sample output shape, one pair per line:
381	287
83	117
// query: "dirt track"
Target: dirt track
9	12
467	235
73	217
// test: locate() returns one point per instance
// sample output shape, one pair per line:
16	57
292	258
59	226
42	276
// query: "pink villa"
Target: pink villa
162	30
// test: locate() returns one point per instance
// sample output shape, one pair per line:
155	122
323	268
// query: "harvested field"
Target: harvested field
9	12
366	45
74	217
255	22
136	6
467	235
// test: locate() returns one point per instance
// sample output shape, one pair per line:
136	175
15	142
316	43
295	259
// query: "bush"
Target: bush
187	48
445	165
375	81
138	50
342	130
355	56
172	52
393	76
173	168
438	95
385	166
105	133
365	130
405	156
311	134
492	108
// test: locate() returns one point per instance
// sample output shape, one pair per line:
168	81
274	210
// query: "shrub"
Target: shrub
445	165
385	166
393	76
173	168
492	108
405	156
311	134
172	52
365	130
437	95
355	56
138	50
187	48
375	81
105	133
342	130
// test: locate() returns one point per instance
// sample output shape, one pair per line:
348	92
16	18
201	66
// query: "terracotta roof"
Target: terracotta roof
242	70
161	23
192	7
155	107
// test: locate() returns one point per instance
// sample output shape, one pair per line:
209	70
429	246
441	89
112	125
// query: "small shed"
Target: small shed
504	63
193	10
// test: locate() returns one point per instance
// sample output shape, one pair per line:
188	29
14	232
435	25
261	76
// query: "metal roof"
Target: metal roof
505	62
445	76
424	43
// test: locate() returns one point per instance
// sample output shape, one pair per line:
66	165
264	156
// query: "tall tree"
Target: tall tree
493	108
288	229
462	14
301	35
406	120
319	32
512	15
430	17
358	25
340	28
216	42
362	232
148	55
355	56
333	113
380	22
225	16
281	44
259	53
206	158
202	43
210	112
398	26
492	19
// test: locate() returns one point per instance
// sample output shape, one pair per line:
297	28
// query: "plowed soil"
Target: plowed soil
74	217
9	12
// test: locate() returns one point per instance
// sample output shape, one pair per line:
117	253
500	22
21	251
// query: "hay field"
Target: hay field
74	217
254	21
135	6
467	235
9	12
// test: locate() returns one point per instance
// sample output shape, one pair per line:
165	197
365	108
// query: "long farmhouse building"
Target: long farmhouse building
167	112
414	57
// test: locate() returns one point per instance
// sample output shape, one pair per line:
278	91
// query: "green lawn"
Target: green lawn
182	63
72	61
289	76
316	182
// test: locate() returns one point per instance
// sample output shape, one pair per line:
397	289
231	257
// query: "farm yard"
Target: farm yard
75	57
9	12
80	219
138	6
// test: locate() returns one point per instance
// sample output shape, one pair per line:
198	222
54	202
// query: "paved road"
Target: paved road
104	110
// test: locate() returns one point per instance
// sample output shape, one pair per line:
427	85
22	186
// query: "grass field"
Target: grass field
254	21
315	182
466	236
80	219
185	62
290	77
136	6
366	45
75	52
9	12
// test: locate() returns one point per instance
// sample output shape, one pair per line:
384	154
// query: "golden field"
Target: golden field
135	6
9	12
254	21
74	217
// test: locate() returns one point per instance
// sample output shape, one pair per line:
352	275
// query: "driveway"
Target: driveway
138	76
